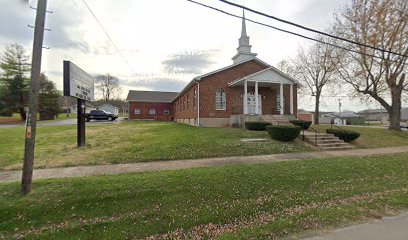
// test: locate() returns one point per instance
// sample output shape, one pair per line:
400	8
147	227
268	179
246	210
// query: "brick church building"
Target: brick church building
248	90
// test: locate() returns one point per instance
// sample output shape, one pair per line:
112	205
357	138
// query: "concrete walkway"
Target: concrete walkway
81	171
388	228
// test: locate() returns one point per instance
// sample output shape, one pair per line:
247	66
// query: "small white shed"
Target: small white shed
109	108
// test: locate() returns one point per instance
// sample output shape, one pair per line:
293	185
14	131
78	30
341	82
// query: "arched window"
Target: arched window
220	100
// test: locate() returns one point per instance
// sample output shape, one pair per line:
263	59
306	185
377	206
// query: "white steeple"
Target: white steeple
244	49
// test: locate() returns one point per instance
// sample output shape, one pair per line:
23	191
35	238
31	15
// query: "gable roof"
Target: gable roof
150	96
381	110
106	104
271	74
231	66
199	78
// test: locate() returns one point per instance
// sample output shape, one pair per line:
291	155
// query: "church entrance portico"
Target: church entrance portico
280	97
253	109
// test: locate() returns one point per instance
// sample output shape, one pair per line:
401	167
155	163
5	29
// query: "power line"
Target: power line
310	29
288	32
110	39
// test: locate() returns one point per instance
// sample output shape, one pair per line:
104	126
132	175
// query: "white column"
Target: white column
256	99
245	100
291	98
281	111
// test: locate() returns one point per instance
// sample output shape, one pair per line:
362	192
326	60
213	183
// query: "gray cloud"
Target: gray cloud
14	18
193	62
64	34
156	83
318	13
64	23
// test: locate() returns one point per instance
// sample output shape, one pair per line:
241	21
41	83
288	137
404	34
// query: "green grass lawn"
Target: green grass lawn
373	137
15	115
134	141
232	202
61	116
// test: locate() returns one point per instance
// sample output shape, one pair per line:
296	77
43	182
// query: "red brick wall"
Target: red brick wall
187	111
208	87
234	95
305	116
145	109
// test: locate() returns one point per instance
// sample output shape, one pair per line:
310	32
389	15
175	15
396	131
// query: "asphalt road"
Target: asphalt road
66	122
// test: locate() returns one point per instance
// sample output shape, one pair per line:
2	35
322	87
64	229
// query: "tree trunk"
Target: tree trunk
316	114
395	113
22	113
21	104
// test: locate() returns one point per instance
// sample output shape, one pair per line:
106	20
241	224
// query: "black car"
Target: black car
100	115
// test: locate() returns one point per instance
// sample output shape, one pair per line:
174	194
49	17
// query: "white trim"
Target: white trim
230	66
281	107
198	78
290	79
245	98
291	99
220	100
256	99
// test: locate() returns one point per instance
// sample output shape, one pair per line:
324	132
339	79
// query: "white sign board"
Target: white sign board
78	83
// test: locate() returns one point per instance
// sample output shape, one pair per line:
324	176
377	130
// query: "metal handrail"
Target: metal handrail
315	132
303	132
276	120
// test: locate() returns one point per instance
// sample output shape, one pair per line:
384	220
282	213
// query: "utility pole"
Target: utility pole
31	121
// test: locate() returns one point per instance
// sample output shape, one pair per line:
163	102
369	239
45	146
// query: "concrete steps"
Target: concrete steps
326	141
278	119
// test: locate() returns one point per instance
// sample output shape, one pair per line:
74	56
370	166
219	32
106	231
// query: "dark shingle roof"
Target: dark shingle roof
150	96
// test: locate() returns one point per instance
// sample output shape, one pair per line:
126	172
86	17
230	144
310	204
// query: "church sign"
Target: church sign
78	83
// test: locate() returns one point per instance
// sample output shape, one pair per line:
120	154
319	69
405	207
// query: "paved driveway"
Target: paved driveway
65	122
388	228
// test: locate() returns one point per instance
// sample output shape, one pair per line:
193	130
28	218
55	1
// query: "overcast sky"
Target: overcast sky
166	42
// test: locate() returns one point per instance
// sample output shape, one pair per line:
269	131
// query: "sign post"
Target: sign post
78	84
81	122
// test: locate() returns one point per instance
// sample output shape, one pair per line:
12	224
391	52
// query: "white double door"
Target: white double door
252	105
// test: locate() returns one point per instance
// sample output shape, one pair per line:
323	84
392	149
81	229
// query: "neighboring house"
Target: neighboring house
229	96
374	114
343	118
150	105
381	114
404	114
108	108
88	107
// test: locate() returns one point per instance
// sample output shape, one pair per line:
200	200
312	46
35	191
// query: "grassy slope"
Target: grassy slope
266	200
374	137
133	142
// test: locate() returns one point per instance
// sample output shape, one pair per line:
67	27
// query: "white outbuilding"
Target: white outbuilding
108	108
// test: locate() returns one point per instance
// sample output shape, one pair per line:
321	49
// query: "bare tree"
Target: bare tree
377	74
108	86
315	68
286	66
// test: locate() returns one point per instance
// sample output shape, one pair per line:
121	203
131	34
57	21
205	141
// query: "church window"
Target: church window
220	100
